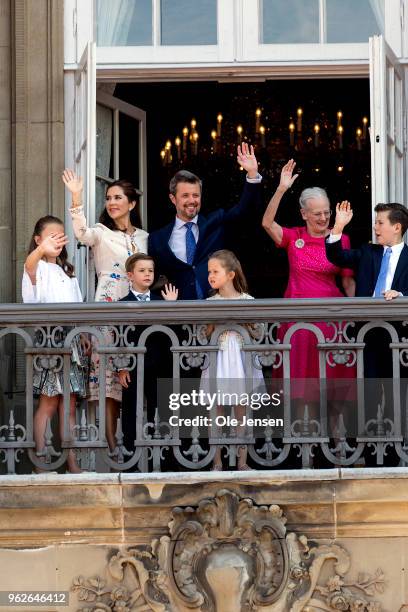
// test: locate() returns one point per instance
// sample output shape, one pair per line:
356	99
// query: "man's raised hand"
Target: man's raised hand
246	158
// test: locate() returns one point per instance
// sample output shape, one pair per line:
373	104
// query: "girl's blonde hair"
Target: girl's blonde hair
230	262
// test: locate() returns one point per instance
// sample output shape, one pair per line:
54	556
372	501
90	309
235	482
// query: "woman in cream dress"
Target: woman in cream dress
113	240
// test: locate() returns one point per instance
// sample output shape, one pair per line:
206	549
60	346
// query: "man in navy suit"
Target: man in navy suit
181	249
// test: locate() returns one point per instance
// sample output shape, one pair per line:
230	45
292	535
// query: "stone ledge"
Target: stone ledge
165	478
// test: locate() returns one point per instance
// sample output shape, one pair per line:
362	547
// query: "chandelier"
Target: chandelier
303	134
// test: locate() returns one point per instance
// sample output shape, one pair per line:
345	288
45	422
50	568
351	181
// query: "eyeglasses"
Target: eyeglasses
326	214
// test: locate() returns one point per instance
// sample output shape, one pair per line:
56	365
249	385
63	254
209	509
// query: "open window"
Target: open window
84	153
388	114
120	128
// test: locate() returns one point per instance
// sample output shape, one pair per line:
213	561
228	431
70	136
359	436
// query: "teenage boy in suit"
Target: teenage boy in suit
382	268
381	271
181	248
140	271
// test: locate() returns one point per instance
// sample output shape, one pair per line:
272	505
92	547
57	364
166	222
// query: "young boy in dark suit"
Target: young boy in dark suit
140	271
381	271
382	268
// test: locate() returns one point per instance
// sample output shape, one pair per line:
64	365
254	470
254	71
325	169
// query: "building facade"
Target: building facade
273	540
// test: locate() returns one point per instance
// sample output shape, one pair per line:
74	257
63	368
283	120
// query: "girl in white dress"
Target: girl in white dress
227	279
113	240
49	277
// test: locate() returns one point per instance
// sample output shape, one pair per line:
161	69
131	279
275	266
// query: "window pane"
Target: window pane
129	141
189	22
124	22
290	21
351	21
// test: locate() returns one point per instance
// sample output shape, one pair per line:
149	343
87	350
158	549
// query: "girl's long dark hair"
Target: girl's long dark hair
131	194
230	262
62	259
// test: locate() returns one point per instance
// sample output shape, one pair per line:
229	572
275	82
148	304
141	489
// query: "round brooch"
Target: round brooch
300	243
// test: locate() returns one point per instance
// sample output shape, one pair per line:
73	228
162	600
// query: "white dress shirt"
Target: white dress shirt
177	241
395	255
136	293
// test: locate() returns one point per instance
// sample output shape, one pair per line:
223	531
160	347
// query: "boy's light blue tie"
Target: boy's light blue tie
191	246
142	297
382	277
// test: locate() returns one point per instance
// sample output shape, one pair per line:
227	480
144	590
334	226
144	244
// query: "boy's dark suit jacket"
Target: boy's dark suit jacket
366	261
211	238
156	365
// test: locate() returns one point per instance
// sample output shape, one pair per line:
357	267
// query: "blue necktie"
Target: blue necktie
382	277
190	243
191	246
142	297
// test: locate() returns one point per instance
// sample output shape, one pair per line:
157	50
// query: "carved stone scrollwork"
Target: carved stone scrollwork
228	554
228	540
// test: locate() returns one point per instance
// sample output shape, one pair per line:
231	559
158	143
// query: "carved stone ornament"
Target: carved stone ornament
229	555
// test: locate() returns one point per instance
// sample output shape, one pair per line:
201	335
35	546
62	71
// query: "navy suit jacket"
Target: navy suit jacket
211	238
153	342
366	261
130	297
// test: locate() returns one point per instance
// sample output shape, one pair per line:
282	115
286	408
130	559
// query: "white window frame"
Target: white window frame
238	44
223	51
321	52
388	134
119	106
80	131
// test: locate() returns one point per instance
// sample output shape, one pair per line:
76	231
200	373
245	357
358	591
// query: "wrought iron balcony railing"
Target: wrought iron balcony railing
369	425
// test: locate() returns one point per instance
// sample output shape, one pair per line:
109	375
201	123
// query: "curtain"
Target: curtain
114	18
377	6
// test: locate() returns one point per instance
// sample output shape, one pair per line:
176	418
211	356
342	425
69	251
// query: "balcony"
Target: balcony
368	427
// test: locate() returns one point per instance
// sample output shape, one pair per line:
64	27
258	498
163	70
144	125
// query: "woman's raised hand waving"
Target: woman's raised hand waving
74	184
287	177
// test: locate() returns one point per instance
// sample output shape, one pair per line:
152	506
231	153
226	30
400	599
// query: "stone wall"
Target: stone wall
6	217
273	541
31	128
38	117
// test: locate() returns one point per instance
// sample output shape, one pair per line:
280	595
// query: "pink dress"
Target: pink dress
311	275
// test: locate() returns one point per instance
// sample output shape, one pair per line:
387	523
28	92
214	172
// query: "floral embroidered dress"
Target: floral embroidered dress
311	275
110	251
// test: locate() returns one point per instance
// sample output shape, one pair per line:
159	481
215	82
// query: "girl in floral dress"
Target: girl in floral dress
113	240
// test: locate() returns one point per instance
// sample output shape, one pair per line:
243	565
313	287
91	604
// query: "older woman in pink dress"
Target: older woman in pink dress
311	275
